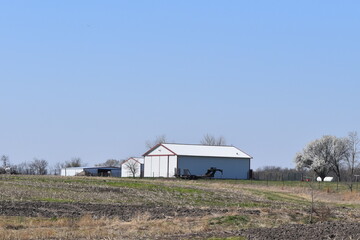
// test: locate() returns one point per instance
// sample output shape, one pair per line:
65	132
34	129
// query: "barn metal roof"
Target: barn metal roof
202	150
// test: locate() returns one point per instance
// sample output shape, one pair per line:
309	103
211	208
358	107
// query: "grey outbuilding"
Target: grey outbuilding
168	160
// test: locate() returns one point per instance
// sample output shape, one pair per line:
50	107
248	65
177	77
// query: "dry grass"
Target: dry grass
87	227
302	190
273	206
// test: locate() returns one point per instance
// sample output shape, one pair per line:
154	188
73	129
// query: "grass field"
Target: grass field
54	207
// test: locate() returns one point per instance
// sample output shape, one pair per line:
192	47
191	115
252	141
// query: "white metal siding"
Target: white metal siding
161	150
233	168
163	169
151	166
125	171
159	166
147	166
172	165
70	171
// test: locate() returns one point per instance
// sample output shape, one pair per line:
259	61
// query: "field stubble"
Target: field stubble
50	207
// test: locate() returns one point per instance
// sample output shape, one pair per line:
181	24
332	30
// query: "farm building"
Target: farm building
103	171
166	160
71	171
132	167
92	171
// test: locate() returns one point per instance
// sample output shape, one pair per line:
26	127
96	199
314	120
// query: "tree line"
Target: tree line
275	173
42	167
34	167
327	156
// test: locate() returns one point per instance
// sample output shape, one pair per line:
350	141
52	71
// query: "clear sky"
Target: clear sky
97	79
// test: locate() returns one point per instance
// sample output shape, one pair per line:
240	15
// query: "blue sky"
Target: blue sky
97	79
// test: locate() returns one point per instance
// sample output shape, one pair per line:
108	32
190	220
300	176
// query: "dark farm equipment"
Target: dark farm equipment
210	173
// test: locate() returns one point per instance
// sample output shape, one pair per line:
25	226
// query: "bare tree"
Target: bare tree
110	163
57	167
38	166
352	156
339	152
132	166
322	156
74	162
275	173
22	168
158	140
5	161
213	141
60	165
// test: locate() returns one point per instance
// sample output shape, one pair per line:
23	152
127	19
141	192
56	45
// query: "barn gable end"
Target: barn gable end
160	150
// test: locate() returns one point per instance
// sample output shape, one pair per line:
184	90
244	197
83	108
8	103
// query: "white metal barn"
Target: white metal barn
71	171
132	165
164	160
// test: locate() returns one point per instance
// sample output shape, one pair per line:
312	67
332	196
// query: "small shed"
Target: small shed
167	160
132	167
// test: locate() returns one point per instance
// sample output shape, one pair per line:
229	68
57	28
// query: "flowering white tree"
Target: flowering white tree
318	165
323	155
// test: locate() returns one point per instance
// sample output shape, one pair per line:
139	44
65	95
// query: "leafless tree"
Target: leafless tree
22	168
132	166
213	141
158	140
110	163
74	162
352	156
5	161
38	166
59	165
276	173
339	152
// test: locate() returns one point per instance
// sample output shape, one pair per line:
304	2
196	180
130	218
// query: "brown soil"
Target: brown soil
324	230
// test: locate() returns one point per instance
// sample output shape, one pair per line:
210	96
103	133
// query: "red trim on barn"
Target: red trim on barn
151	149
130	159
156	146
160	155
169	150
